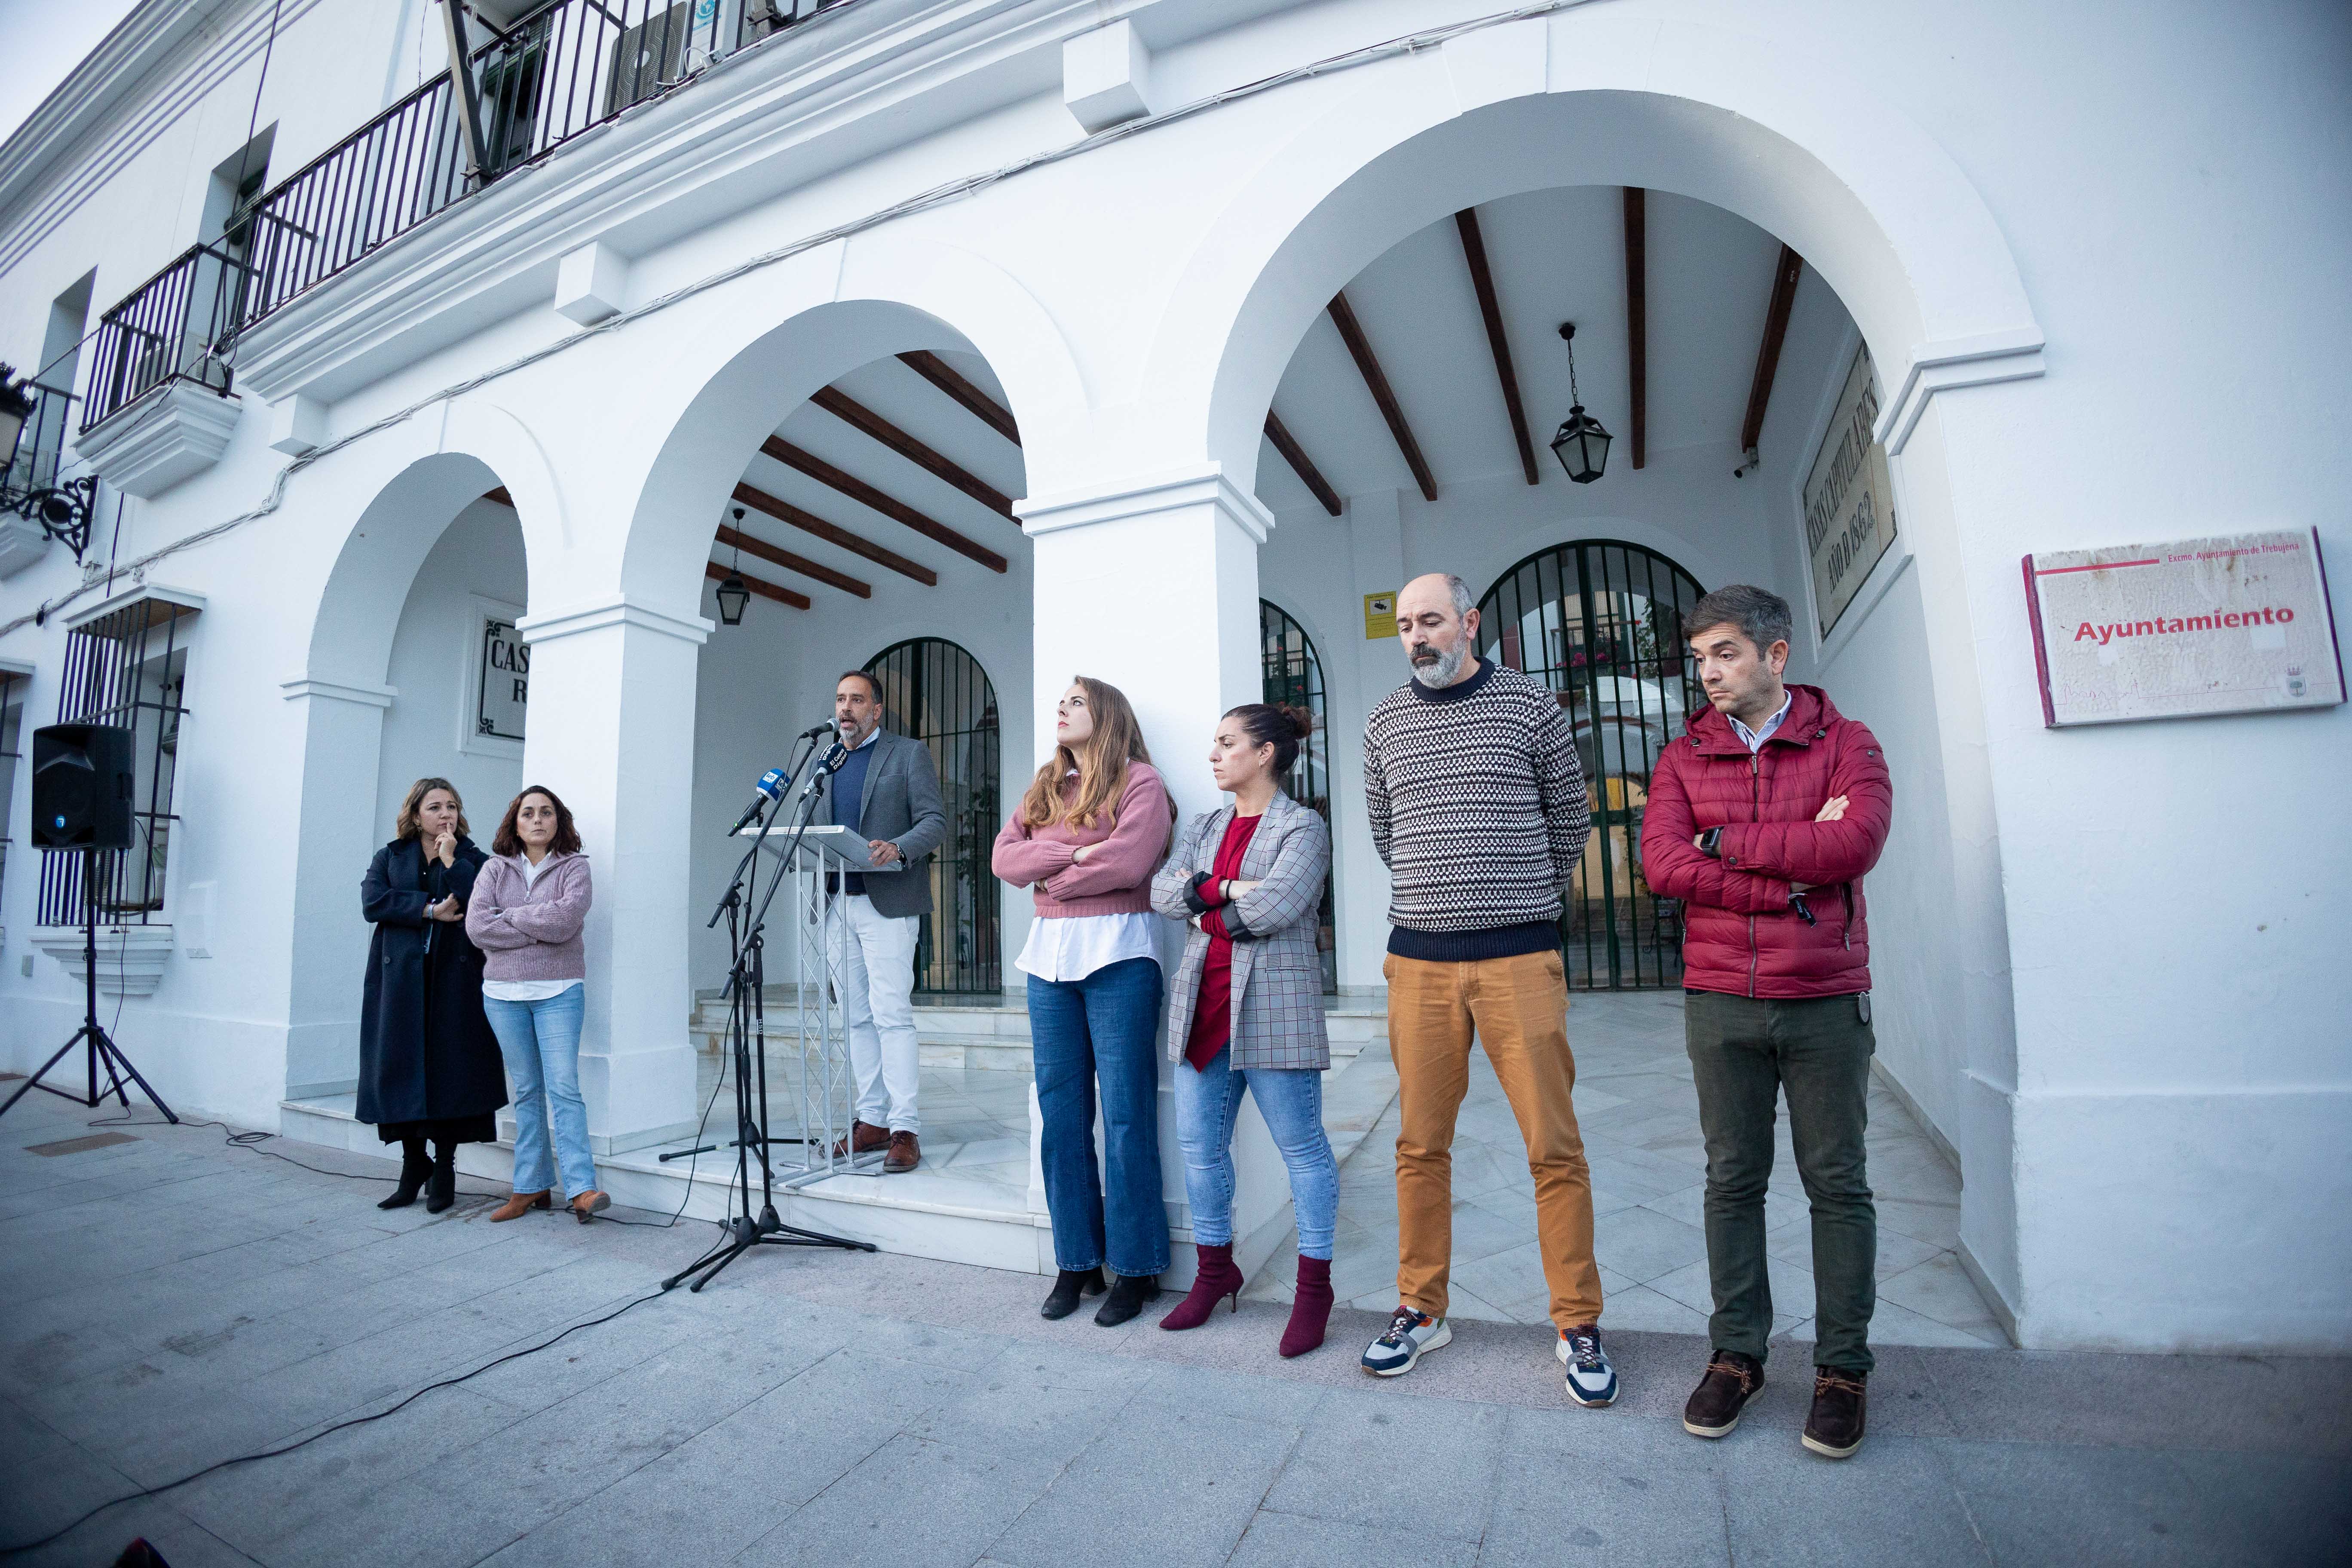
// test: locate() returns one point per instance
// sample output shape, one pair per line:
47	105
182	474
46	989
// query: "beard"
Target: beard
1444	669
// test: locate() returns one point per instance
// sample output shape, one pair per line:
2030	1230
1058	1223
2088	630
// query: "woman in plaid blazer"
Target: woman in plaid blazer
1247	1008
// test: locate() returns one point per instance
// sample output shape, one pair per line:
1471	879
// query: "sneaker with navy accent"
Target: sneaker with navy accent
1411	1331
1591	1380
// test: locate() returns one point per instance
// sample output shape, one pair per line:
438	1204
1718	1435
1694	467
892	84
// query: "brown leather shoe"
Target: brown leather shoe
1834	1430
518	1205
590	1203
905	1153
1731	1381
863	1139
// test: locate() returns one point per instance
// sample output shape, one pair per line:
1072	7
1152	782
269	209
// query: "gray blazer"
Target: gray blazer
901	803
1277	985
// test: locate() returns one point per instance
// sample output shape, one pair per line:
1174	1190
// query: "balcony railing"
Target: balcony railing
42	448
168	331
555	71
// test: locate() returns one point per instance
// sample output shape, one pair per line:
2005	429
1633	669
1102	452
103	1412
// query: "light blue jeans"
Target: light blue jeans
1291	1101
541	1041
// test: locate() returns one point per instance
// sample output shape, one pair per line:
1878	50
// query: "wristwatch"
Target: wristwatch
1710	843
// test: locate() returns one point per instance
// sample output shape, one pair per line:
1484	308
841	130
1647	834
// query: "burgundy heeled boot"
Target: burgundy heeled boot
1310	1308
1218	1277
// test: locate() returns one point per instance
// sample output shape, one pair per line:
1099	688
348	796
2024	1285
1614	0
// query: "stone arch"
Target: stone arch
1872	203
741	370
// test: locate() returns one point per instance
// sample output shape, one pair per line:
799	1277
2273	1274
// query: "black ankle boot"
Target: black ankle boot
441	1187
1068	1286
1129	1292
414	1168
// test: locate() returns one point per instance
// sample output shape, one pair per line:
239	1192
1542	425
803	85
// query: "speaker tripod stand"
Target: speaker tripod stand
92	1033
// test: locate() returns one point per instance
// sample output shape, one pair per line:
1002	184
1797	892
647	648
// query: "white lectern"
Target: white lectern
826	1089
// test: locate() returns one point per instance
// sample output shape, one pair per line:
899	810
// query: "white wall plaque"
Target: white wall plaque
1849	497
502	691
2232	625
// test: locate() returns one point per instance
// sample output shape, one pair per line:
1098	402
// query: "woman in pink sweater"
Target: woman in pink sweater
1086	837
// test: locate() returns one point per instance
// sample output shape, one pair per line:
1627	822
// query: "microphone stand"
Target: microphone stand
747	1018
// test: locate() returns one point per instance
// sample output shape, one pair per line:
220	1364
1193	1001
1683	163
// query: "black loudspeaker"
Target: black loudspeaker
83	787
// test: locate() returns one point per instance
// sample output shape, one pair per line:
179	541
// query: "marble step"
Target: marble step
992	1034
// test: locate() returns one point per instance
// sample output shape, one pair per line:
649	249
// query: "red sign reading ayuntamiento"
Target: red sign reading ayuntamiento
2232	625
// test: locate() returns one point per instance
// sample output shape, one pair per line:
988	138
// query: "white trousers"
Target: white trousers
873	962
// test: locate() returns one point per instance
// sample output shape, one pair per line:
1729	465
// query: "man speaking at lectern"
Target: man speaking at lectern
887	791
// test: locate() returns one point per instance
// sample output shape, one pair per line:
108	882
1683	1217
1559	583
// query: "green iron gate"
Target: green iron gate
936	692
1295	676
1599	622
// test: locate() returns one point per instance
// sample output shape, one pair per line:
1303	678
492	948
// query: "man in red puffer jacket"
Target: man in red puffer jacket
1762	819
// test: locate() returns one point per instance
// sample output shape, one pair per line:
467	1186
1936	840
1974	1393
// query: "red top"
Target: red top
1213	1022
1740	934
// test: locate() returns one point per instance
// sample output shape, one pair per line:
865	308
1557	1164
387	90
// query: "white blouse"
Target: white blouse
1071	947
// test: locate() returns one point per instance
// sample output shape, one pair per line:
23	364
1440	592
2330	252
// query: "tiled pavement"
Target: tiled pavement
168	1302
1640	1118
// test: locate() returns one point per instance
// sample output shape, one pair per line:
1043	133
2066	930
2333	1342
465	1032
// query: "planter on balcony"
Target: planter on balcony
130	958
179	430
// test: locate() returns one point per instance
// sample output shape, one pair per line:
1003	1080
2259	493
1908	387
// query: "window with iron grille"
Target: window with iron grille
1294	677
936	692
127	667
12	736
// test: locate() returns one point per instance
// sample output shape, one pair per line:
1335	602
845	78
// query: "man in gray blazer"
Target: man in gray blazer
886	791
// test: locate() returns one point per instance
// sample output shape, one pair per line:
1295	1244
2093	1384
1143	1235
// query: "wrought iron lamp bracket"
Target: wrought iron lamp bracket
63	510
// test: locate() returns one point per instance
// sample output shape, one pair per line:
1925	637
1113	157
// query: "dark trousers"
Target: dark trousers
1744	1054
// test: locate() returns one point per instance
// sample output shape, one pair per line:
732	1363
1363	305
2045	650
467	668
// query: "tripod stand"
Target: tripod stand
102	1048
746	1020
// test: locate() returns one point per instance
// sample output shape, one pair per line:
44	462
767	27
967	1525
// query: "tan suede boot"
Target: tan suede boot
518	1205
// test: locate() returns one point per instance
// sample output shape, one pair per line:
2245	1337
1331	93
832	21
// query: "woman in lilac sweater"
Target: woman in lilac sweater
530	901
1086	837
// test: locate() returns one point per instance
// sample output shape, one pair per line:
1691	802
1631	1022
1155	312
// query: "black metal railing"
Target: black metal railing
555	73
937	692
127	667
168	331
41	448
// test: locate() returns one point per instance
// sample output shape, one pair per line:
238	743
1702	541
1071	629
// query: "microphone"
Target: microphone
771	787
813	731
825	768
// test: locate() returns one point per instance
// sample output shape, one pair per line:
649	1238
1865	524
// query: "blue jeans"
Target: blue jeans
1102	1028
541	1041
1291	1101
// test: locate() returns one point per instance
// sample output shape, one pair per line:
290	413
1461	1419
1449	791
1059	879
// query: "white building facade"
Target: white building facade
979	310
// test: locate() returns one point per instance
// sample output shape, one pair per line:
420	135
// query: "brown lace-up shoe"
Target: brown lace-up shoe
863	1139
1834	1429
1731	1381
905	1153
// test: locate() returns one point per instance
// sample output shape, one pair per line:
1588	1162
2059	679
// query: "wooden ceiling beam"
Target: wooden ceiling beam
752	544
1376	380
1637	319
759	586
843	406
809	522
1296	455
1785	273
953	381
858	490
1482	279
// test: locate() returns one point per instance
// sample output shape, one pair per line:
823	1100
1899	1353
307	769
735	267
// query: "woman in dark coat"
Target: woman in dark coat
429	1066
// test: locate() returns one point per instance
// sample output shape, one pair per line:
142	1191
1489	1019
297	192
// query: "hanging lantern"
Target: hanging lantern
733	594
16	407
1581	444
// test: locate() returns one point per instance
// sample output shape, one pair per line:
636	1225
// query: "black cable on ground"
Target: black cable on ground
338	1426
253	1141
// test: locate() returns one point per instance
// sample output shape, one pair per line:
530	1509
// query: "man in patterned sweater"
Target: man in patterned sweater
1479	806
